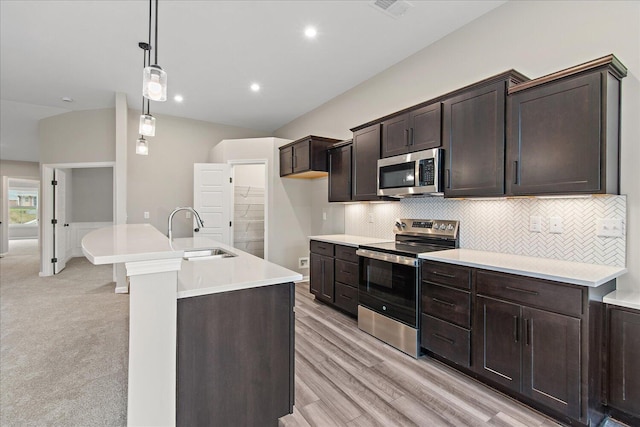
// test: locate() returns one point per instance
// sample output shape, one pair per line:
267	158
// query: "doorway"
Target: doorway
20	215
250	197
76	199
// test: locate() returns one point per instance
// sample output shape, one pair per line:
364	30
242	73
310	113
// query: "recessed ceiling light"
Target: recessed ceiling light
178	98
310	32
255	87
67	99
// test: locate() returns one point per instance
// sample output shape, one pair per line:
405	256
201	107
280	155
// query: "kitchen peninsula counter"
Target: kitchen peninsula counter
576	273
197	326
210	276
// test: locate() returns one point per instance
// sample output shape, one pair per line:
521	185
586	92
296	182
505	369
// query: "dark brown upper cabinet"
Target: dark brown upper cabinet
340	172
306	157
416	130
564	131
366	152
473	136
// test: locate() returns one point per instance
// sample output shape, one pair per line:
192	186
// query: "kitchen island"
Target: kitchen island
215	330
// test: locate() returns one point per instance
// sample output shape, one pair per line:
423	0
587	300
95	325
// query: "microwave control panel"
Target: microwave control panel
427	172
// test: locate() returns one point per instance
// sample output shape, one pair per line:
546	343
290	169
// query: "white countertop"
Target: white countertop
629	299
210	276
543	268
127	243
348	239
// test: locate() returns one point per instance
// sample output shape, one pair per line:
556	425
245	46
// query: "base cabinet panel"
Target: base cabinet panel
239	378
551	368
498	349
624	353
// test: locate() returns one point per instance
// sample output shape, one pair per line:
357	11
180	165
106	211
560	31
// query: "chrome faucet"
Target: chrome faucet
186	208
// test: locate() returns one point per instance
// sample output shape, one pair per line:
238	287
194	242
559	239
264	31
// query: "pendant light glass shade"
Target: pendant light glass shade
154	83
147	125
142	146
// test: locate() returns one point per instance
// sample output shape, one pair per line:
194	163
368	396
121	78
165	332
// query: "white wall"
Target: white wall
78	136
92	195
163	180
533	37
249	176
289	200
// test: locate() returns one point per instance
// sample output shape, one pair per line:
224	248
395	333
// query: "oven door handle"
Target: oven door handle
395	259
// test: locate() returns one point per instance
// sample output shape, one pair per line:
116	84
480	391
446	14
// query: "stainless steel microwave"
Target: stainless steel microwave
413	174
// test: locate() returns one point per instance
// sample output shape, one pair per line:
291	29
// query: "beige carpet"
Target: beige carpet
63	343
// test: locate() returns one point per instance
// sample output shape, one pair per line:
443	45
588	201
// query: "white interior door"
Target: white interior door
212	198
60	215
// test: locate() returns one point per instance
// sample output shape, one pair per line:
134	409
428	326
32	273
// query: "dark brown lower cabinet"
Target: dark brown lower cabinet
624	355
321	277
542	342
534	352
235	357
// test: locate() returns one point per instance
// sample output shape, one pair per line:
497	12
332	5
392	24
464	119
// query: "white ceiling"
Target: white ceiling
212	51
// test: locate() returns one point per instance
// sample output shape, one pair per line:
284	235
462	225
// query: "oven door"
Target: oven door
389	287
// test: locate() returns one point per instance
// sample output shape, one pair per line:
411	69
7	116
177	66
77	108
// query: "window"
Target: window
23	205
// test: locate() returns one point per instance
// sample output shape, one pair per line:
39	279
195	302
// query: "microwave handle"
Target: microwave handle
447	178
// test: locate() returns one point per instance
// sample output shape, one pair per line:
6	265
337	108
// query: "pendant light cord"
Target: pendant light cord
156	45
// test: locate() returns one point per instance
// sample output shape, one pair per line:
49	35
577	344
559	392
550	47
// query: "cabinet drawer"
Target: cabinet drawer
346	297
447	274
446	340
322	248
533	292
346	253
448	304
346	272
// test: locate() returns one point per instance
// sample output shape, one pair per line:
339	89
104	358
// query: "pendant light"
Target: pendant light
154	78
147	125
142	146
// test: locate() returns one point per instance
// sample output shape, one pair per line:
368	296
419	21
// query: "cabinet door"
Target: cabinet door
554	141
551	360
425	128
301	156
395	136
366	152
474	142
321	277
286	161
624	380
340	174
497	337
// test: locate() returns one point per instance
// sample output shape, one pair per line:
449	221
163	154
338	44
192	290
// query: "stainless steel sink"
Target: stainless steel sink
207	253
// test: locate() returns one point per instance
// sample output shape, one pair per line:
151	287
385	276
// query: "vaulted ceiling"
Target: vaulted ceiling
212	52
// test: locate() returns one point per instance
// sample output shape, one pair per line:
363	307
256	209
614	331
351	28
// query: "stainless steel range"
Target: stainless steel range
389	280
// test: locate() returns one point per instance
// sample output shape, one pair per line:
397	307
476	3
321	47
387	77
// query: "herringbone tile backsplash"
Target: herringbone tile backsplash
503	225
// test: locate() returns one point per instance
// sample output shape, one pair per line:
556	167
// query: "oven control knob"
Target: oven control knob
436	226
442	226
450	227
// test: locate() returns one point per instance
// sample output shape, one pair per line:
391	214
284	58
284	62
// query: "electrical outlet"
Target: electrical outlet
370	217
535	224
146	215
324	216
609	227
555	225
303	262
188	214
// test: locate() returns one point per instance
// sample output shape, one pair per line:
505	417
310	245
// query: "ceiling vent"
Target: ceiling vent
393	8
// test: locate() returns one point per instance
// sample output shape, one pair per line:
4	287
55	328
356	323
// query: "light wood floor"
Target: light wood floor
345	377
